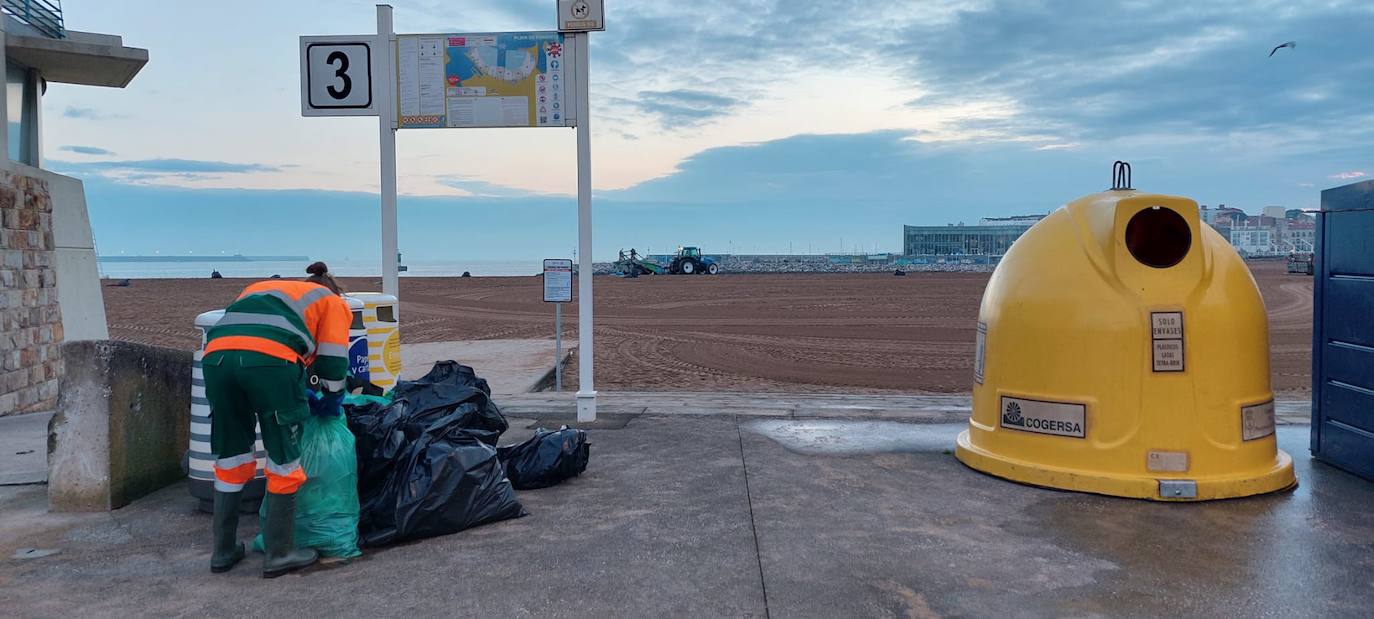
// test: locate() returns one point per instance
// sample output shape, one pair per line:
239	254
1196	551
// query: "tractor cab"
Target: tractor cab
689	252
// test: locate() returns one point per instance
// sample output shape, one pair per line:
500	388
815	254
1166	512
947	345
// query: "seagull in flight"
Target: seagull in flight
1289	45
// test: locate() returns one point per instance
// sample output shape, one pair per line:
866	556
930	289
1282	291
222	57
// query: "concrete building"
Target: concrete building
1253	241
1024	221
49	286
1299	233
992	237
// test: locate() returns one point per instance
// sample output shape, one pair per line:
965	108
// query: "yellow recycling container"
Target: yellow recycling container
381	318
1123	349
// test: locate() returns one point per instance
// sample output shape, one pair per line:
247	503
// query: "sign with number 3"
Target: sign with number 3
336	76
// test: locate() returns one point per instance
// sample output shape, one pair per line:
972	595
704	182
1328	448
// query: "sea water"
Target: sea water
341	268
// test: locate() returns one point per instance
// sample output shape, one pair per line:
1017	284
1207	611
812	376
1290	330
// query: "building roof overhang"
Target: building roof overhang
82	58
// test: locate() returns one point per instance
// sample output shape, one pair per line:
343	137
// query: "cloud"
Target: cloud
156	171
87	113
479	188
1072	67
1345	176
800	193
682	107
85	150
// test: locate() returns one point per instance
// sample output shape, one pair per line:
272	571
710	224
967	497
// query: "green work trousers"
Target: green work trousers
243	387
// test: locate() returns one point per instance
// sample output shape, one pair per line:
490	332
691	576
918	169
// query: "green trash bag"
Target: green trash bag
327	504
363	400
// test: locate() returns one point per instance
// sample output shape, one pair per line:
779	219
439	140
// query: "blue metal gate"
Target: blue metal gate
1343	330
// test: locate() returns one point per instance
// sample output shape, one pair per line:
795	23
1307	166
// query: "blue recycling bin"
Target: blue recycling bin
1343	333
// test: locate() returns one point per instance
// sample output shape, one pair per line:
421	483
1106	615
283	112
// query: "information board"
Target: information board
500	79
557	280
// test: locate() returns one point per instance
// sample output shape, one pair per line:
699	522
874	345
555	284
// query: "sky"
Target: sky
752	126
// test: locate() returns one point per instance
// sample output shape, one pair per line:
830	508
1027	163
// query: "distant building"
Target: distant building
1024	221
1253	241
1277	231
992	237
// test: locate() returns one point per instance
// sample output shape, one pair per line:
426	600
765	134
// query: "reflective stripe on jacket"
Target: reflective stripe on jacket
296	321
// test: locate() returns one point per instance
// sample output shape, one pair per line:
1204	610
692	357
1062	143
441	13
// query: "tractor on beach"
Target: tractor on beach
687	261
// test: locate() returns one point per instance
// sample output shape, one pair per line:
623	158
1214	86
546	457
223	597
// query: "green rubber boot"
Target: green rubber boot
228	549
279	538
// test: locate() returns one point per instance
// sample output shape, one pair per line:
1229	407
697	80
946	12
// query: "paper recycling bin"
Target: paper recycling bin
1122	349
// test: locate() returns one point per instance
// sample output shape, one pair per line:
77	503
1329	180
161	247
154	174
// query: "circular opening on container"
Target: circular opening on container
1158	237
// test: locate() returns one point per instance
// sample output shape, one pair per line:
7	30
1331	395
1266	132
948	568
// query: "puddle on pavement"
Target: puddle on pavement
848	438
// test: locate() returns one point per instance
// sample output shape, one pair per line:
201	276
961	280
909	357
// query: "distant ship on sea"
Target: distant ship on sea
203	258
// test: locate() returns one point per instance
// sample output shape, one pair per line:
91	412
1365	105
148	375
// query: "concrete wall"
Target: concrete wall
122	424
83	306
31	330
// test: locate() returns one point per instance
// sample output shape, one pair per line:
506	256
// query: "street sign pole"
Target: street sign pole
558	347
586	392
386	117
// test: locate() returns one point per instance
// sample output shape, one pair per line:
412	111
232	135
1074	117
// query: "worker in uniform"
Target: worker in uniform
255	366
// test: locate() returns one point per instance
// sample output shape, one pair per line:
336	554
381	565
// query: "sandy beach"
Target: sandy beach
770	332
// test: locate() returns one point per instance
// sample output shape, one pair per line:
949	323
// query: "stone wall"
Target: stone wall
30	318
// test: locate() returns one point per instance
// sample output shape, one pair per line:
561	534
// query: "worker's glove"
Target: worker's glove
326	404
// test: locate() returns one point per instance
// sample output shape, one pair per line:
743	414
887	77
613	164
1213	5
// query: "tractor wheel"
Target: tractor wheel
713	269
689	267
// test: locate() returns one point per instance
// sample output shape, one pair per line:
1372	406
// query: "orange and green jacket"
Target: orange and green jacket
296	321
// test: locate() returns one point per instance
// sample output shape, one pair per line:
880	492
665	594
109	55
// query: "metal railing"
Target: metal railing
43	15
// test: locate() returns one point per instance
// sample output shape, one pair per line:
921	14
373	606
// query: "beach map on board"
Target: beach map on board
511	79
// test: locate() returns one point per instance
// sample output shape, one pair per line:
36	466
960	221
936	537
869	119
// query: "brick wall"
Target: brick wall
30	319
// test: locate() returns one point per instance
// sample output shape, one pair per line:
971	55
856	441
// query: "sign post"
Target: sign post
386	131
494	79
586	391
558	290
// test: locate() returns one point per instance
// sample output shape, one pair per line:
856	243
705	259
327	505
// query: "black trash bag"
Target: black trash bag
378	440
427	461
352	382
547	459
444	373
445	482
452	395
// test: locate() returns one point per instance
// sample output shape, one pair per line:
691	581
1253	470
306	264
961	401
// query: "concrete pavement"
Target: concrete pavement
24	449
509	366
734	515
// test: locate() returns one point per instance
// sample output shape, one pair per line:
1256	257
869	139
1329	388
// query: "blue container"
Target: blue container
1343	332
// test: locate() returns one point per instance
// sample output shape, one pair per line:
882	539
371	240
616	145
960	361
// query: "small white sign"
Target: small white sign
581	15
336	76
980	352
1257	421
1167	461
1057	418
1168	355
1166	339
558	280
1166	325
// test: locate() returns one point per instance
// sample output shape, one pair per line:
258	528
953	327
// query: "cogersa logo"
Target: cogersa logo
1057	418
1012	415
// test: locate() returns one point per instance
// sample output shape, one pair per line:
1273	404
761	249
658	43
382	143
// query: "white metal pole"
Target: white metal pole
558	347
586	391
386	115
